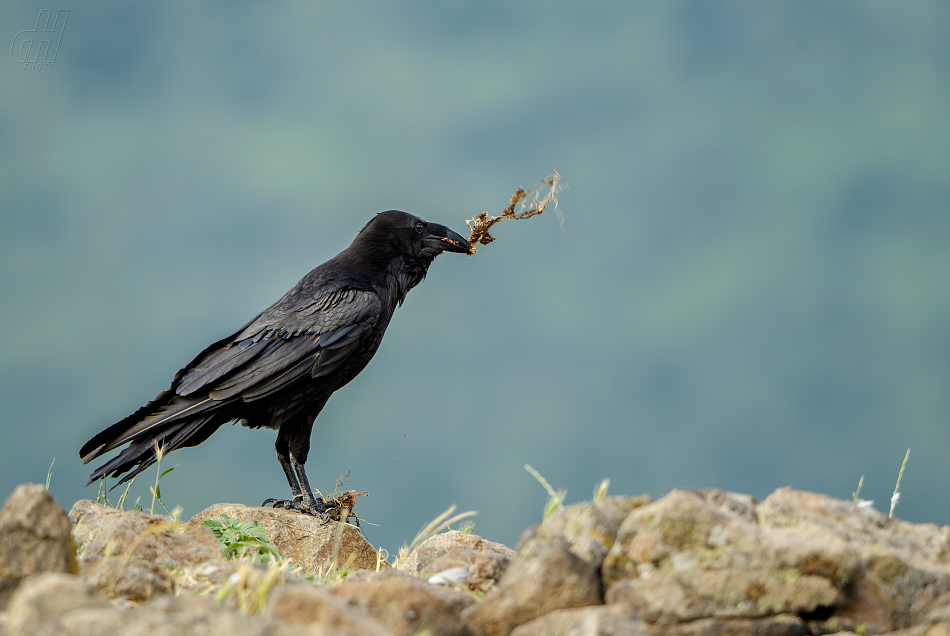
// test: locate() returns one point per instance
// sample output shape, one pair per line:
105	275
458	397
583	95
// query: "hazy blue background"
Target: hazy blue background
751	290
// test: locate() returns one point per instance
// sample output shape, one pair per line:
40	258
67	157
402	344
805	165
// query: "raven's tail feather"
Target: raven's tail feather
151	418
142	452
169	420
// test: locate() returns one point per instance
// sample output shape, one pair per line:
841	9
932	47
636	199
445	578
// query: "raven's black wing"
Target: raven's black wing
306	334
282	345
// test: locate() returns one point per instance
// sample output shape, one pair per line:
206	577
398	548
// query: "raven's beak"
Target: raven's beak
442	238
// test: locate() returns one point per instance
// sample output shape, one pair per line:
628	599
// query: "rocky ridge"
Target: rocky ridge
693	563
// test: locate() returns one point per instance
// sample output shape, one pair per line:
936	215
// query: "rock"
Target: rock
48	597
687	557
936	629
80	622
134	555
406	604
161	616
779	625
905	576
440	544
694	556
34	537
597	620
307	605
836	624
589	528
62	604
486	560
544	576
306	541
733	503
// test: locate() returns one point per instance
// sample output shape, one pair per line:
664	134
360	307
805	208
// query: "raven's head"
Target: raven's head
409	236
395	250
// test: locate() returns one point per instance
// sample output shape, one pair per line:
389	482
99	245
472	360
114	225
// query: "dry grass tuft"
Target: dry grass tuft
529	203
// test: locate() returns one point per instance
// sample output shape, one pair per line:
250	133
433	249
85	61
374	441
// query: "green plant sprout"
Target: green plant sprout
121	504
856	495
103	495
238	537
897	494
555	498
156	491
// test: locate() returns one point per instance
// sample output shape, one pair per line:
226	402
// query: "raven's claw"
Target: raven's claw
316	508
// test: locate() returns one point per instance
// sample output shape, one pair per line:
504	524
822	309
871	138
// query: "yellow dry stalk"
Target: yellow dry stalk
382	556
247	588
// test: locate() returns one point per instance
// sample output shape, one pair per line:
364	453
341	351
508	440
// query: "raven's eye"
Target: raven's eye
420	226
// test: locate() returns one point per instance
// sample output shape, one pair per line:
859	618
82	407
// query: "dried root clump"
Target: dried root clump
528	202
341	504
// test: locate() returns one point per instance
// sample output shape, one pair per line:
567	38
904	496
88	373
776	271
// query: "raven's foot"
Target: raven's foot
316	506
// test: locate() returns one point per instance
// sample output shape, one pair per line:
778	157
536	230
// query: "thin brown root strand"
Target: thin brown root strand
528	202
515	200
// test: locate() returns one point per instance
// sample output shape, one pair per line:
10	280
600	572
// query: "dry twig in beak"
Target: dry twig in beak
529	203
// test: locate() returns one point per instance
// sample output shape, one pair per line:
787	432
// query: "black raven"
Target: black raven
281	368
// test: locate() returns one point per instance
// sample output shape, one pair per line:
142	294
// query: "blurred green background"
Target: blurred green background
750	289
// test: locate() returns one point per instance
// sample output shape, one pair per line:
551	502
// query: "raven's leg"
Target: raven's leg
299	449
283	456
317	507
293	446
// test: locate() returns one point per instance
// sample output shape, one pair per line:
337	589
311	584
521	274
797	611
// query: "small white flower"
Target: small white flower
895	498
865	503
